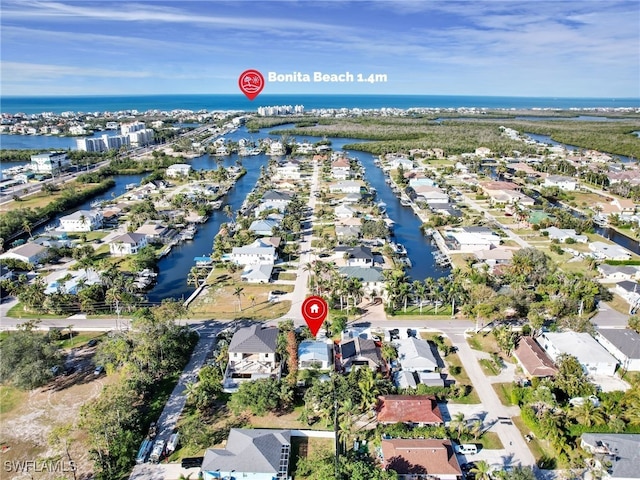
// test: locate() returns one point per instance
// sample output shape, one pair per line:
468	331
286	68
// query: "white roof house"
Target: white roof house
254	254
347	186
562	182
472	242
611	252
257	273
344	211
81	221
416	355
562	234
178	170
314	354
593	357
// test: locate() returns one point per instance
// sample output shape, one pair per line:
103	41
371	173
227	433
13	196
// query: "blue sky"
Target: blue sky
586	48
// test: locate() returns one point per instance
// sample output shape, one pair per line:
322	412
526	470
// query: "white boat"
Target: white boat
131	186
405	203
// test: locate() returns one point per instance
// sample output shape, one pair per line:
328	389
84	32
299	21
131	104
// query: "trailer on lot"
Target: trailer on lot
157	452
145	448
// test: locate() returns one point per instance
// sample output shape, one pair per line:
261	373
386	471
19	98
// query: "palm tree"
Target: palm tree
460	423
404	294
476	429
419	290
588	414
26	225
482	470
238	293
355	290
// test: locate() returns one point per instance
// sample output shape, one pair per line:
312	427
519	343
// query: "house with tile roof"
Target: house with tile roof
533	359
256	454
421	458
417	410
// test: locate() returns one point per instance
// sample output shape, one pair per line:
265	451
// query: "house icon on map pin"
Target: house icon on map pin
314	308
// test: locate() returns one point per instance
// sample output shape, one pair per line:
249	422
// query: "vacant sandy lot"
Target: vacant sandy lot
26	425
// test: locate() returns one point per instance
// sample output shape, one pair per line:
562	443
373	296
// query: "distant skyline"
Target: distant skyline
494	48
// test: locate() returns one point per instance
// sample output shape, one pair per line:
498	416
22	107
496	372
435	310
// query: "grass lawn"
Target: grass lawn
490	441
303	447
503	390
483	341
10	397
77	339
537	447
427	311
218	299
489	367
91	236
285	276
43	199
619	304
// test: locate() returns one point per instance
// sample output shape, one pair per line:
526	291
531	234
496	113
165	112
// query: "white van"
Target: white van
466	449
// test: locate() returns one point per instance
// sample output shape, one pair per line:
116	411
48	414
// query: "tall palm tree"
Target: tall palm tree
238	293
460	422
355	290
588	414
404	294
419	290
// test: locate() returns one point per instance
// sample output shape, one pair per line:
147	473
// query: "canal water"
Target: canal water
407	224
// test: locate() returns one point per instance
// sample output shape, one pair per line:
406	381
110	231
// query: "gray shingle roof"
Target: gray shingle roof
254	339
625	340
625	450
249	451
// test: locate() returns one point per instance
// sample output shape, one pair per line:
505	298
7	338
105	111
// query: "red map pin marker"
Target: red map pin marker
314	311
251	83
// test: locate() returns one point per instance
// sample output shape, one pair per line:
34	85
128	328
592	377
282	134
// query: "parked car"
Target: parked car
99	370
92	343
192	462
466	449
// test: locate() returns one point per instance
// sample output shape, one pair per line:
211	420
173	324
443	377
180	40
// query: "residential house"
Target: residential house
371	277
360	352
622	343
394	162
473	239
533	359
431	195
421	182
612	252
344	232
264	227
628	290
71	281
421	458
346	186
495	256
344	211
277	197
352	198
290	170
482	151
416	410
564	234
341	169
127	244
416	355
314	354
617	453
256	253
593	357
252	355
257	273
256	454
155	231
29	252
178	170
568	184
81	221
614	273
357	256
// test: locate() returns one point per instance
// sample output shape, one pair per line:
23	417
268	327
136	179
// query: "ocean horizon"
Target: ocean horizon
238	102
